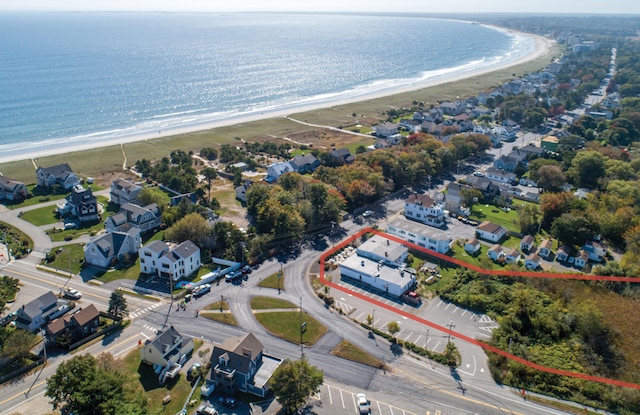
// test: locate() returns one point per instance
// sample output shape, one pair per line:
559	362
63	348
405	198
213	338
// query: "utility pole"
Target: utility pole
373	318
301	327
451	326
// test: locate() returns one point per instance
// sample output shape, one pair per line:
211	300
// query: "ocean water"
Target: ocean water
87	76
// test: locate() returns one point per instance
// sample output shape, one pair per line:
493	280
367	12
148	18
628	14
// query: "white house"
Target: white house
491	231
582	259
60	174
166	352
500	175
472	246
526	243
532	261
385	129
169	260
421	235
495	252
124	191
424	209
563	253
545	248
512	257
112	246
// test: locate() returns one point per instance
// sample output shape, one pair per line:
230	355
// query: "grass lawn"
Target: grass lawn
272	281
496	215
128	273
352	352
218	306
286	325
267	303
68	255
41	216
59	235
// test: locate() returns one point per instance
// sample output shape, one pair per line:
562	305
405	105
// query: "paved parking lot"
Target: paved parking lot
335	400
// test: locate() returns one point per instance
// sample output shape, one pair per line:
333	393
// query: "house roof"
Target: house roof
60	170
37	306
86	314
9	184
57	325
473	242
157	246
165	340
421	199
490	227
302	160
533	258
546	244
496	248
513	253
247	345
185	249
528	239
564	249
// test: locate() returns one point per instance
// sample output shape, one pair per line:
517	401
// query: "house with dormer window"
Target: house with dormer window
81	204
239	364
147	218
167	352
61	174
124	191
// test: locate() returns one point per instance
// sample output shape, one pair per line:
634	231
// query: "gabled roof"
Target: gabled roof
9	184
421	199
85	315
528	239
533	257
185	249
165	340
243	345
60	170
157	247
490	227
546	244
40	304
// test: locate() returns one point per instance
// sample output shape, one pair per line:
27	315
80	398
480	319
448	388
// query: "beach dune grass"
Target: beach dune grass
267	303
286	325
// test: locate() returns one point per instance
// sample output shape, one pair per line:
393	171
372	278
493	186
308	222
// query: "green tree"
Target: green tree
148	196
528	218
8	289
550	178
587	168
209	174
16	343
192	227
117	305
82	387
393	328
294	381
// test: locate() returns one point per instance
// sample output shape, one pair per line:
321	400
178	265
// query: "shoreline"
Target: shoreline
541	46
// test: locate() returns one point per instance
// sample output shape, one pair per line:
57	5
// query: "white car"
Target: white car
363	404
72	293
367	213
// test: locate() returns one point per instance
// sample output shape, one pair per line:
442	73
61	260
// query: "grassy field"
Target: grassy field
352	352
496	215
267	303
272	281
286	325
103	162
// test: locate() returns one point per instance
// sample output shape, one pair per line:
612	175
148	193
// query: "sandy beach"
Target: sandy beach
541	47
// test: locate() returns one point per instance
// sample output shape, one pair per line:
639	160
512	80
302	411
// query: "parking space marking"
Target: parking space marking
455	309
418	339
330	397
448	305
379	410
463	313
342	399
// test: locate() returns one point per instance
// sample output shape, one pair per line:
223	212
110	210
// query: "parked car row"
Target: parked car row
201	290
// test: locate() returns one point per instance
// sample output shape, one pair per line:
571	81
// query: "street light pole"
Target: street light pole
301	349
